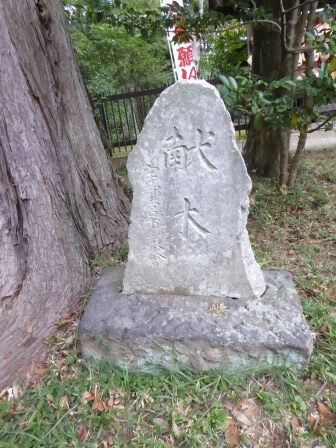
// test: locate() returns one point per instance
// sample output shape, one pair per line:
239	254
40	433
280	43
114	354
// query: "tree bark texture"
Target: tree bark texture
60	204
267	151
308	100
263	147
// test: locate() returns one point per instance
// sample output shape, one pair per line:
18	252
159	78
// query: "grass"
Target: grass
73	404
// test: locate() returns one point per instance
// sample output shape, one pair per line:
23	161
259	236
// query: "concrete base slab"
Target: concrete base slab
146	331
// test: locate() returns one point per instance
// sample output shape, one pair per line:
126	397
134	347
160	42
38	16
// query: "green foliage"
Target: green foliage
226	52
111	57
270	104
122	253
101	262
274	104
136	16
325	41
279	104
145	17
215	418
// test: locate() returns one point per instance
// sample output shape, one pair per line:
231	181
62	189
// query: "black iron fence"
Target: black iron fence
123	116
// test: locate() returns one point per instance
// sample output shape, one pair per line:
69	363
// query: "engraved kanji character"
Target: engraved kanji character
153	222
155	194
176	153
157	256
201	145
188	219
176	157
151	172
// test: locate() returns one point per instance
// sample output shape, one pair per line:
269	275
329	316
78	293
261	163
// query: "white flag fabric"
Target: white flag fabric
182	53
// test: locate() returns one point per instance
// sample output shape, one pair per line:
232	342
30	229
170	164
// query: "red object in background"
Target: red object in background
185	56
191	75
318	21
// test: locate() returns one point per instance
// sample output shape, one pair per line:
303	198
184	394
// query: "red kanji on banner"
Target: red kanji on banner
191	75
185	56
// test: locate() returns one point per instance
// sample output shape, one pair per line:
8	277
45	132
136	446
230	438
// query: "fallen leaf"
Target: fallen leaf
324	329
243	404
64	403
176	429
114	402
313	420
87	396
67	319
49	399
82	433
99	406
227	403
241	417
163	424
326	415
120	392
96	392
41	372
232	433
296	425
108	443
60	363
19	409
3	393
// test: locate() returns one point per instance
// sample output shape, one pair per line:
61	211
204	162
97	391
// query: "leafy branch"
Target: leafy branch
259	99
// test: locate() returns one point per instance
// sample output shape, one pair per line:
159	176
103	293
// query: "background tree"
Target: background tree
60	204
113	60
112	57
226	52
279	29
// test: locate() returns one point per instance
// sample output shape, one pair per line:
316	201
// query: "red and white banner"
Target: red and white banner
182	54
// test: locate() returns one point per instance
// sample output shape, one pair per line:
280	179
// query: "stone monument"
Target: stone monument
192	289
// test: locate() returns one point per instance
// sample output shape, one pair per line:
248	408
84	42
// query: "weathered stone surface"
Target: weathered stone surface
188	223
143	332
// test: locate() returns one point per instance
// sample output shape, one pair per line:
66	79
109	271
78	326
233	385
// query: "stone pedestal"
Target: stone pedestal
141	331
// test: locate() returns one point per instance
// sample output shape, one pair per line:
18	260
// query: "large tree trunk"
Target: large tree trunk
60	204
276	55
263	147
